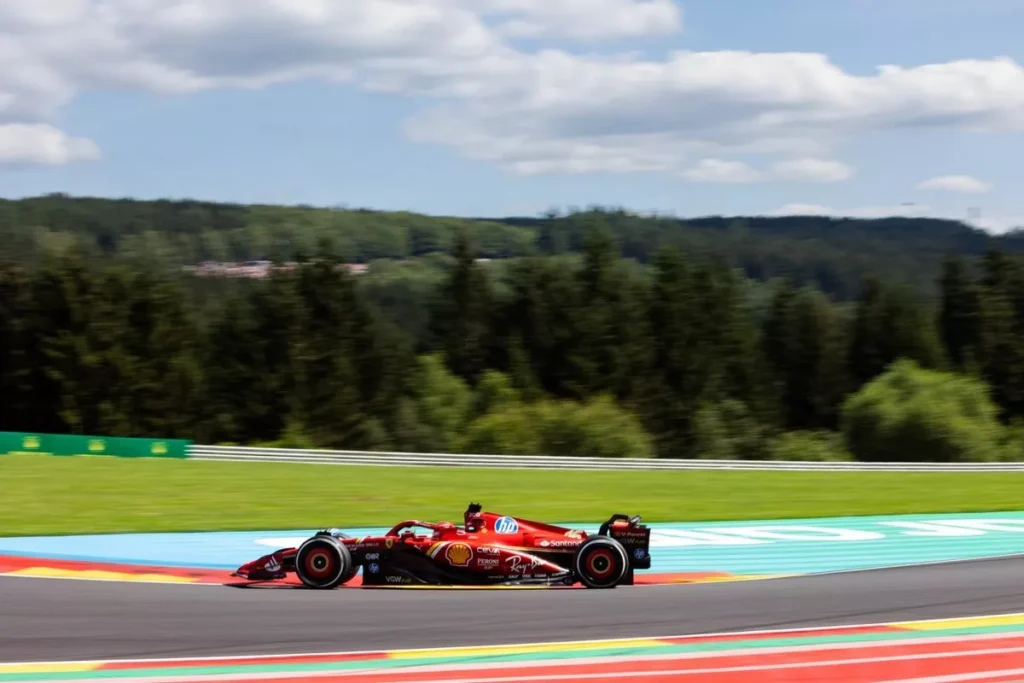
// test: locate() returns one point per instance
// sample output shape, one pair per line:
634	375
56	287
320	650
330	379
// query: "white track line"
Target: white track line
469	649
955	678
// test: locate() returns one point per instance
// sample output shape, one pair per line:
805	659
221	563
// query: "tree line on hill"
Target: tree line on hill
583	355
830	254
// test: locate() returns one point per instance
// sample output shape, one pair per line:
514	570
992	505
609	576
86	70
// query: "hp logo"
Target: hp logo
374	568
506	525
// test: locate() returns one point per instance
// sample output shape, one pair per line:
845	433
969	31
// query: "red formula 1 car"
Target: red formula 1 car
490	549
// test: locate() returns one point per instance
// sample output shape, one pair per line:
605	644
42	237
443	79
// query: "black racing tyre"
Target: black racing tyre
349	574
600	562
323	562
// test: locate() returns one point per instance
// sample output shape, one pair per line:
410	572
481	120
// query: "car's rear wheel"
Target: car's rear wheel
601	562
323	562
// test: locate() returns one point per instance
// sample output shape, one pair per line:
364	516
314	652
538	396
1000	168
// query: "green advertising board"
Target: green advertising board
17	443
69	444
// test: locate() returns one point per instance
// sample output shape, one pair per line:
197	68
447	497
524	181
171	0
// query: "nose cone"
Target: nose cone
264	569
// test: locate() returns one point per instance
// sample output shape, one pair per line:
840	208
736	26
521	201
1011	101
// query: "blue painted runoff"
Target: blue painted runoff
749	548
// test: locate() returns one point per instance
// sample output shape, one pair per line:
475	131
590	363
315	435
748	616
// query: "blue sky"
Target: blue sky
496	107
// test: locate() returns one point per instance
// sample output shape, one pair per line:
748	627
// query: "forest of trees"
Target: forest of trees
568	350
831	254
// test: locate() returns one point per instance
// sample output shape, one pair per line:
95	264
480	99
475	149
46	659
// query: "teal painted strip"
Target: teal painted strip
183	671
769	547
834	544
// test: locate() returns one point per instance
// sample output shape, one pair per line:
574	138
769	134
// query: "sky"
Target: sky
515	107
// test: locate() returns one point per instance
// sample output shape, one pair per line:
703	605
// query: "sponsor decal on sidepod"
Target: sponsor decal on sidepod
459	554
506	525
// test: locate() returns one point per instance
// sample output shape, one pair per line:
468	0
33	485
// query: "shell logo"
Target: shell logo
459	554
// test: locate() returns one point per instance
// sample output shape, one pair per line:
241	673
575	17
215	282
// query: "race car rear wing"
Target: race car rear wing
634	537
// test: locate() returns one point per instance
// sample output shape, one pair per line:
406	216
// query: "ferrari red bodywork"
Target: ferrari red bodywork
489	549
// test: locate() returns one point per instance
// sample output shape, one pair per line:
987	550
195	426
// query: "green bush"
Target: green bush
444	403
597	428
912	414
494	391
726	430
809	446
510	431
1013	442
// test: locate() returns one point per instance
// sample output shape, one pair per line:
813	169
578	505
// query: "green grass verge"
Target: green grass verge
51	495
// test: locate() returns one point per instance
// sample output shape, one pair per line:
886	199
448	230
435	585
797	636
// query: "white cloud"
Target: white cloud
55	49
955	183
190	45
794	170
902	210
584	20
527	110
813	170
719	171
715	104
42	145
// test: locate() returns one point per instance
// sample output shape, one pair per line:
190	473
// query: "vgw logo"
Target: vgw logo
506	525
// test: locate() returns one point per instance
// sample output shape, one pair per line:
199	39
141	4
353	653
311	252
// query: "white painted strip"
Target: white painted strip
720	670
467	649
406	459
955	678
717	670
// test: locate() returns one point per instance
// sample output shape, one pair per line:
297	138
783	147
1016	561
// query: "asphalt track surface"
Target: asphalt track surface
44	619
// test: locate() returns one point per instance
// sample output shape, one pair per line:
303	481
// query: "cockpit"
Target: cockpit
405	530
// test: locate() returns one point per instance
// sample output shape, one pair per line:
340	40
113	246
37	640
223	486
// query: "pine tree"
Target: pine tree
326	403
804	347
608	322
704	352
1001	323
534	325
958	314
781	348
868	357
679	360
889	324
461	317
80	329
18	374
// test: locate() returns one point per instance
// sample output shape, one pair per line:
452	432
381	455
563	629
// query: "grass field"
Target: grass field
51	495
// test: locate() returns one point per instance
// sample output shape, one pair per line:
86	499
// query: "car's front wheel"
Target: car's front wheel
323	562
601	562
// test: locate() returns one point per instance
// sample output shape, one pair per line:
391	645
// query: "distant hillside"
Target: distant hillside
832	254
